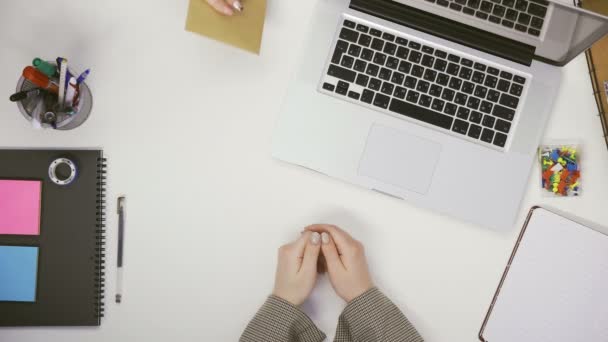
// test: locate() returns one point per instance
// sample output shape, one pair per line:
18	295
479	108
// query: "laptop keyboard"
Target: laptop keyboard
526	16
455	94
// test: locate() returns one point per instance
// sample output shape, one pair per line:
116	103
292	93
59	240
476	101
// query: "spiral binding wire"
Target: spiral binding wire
100	249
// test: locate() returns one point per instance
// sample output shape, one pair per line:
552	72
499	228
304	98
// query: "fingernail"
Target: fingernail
325	238
227	11
237	6
315	238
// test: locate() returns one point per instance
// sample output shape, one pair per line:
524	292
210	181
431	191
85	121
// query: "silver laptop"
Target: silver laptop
438	102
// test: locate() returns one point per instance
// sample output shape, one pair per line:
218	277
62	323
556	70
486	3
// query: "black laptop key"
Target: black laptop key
461	99
507	23
490	81
536	22
487	135
443	3
474	131
402	52
375	84
537	10
473	103
336	56
362	80
516	89
372	69
422	114
493	95
475	117
347	62
481	91
328	86
423	86
502	126
387	88
495	19
465	73
440	65
508	3
443	79
397	78
468	87
415	57
503	85
448	94
506	75
362	28
349	35
341	46
481	15
524	19
486	6
455	83
400	92
486	107
375	32
388	36
385	74
405	67
474	3
453	58
453	69
342	88
512	14
468	11
478	77
360	65
365	40
425	100
430	75
341	73
414	45
435	90
413	96
460	126
455	6
438	105
377	44
503	112
417	71
509	101
500	139
534	32
493	71
519	79
367	96
349	23
479	66
428	49
354	50
410	82
521	5
427	61
379	58
401	41
463	113
466	62
499	10
367	54
521	28
390	48
381	100
450	109
353	95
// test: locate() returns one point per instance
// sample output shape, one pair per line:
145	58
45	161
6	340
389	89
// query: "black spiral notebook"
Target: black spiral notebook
69	273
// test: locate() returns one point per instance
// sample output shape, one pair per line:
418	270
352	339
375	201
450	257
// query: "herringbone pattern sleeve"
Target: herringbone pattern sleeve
280	321
372	317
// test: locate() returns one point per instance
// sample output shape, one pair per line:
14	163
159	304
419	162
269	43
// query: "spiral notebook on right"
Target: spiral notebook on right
554	287
51	239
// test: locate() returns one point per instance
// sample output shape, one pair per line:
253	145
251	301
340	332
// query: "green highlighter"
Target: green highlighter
46	68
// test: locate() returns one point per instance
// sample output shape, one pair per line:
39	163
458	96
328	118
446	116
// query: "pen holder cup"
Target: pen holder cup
31	106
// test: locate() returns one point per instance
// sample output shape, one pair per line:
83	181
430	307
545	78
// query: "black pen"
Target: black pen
121	239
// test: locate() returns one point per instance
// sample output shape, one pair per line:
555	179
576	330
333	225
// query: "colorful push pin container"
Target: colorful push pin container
560	170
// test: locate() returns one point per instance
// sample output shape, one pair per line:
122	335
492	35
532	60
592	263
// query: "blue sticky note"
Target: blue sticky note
18	273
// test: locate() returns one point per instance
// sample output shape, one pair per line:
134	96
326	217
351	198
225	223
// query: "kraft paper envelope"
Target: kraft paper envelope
243	29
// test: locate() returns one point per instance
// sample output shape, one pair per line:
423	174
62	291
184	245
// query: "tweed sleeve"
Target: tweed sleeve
372	317
280	321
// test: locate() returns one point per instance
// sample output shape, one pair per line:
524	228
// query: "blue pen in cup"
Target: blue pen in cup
83	76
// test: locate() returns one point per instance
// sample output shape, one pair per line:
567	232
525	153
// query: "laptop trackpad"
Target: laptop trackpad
398	158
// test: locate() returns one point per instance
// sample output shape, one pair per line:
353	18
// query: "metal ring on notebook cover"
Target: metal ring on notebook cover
53	171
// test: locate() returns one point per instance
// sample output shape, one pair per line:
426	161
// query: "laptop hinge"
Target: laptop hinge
448	29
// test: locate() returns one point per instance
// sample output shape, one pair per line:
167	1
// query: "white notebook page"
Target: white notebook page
557	286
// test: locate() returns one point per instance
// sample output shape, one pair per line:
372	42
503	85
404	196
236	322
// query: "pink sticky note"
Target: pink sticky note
20	207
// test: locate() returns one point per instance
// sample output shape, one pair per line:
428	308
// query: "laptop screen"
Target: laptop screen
556	29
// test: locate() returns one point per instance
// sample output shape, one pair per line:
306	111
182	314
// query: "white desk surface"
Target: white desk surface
187	124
